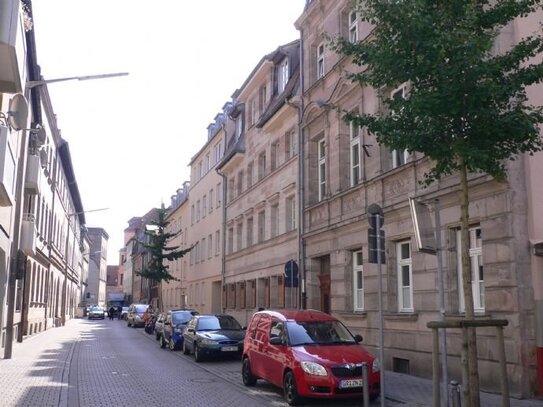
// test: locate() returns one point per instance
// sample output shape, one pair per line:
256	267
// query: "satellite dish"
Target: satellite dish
18	112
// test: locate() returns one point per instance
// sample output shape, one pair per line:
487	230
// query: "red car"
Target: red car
309	354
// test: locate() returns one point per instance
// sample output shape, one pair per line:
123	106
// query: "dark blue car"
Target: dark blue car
174	325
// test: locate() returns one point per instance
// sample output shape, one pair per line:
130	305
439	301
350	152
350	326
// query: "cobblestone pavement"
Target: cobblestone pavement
104	363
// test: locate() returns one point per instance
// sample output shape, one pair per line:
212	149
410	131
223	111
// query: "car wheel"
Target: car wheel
198	357
248	378
157	336
163	342
171	344
290	390
128	324
185	349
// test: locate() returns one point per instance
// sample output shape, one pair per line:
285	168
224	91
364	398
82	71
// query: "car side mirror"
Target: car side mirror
276	341
191	330
358	338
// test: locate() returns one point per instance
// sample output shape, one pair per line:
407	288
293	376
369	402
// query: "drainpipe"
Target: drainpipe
223	232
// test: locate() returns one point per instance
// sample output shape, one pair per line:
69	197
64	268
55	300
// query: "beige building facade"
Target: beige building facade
260	168
345	171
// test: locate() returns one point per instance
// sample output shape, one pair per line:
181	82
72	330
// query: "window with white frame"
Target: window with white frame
204	206
354	132
358	281
399	157
320	61
405	276
353	27
322	169
239	236
282	76
274	156
290	213
476	264
274	220
218	152
217	242
253	111
211	200
249	175
249	234
261	226
261	165
290	144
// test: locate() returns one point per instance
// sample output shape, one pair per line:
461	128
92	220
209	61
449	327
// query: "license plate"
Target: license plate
229	349
346	384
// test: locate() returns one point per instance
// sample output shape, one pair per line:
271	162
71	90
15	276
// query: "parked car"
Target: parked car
124	312
213	335
309	354
174	325
134	317
96	313
159	325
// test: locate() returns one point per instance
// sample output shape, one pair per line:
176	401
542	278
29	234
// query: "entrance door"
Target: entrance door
325	292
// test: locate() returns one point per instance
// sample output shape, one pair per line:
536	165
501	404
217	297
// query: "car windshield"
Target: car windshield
97	309
219	322
141	308
181	317
318	333
125	309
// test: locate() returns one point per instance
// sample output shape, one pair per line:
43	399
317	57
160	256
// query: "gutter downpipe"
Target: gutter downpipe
223	232
301	174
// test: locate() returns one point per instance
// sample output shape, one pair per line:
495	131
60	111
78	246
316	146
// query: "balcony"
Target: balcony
33	173
28	235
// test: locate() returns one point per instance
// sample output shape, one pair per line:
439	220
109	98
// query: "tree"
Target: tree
466	106
157	246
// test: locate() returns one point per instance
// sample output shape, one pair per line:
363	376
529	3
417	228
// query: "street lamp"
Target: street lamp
33	84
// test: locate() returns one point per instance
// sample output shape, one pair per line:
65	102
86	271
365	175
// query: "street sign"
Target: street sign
291	274
376	236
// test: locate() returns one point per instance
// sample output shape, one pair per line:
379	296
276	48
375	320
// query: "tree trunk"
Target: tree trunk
471	389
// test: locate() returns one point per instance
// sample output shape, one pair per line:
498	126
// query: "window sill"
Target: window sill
352	314
402	316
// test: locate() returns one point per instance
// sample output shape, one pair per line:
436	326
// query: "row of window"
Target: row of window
205	206
208	162
268	292
246	238
281	150
206	248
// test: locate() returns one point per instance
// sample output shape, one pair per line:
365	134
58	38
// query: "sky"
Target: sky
131	138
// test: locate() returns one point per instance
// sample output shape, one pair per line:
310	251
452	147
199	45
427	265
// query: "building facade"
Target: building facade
96	290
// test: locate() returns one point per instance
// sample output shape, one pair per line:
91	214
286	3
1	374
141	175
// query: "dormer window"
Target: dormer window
282	76
239	126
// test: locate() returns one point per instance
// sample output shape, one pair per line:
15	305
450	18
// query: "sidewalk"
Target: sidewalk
38	375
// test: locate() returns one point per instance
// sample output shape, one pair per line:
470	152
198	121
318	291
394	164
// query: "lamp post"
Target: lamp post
33	84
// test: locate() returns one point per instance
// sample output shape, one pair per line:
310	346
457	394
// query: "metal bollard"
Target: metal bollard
365	384
456	394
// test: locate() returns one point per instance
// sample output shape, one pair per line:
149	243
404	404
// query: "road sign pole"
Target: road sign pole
381	323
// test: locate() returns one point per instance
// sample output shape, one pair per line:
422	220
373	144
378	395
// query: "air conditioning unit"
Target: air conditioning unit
7	169
28	235
33	174
12	46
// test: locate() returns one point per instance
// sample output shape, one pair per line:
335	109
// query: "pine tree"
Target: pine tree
156	243
466	106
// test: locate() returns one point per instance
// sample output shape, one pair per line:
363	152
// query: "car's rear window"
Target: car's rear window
141	308
220	322
181	317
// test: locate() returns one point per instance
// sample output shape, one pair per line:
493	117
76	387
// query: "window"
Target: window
240	183
209	246
399	157
211	200
261	226
217	242
218	152
202	251
290	210
207	163
358	281
250	232
320	61
405	278
354	132
322	169
274	220
262	98
219	194
282	76
253	111
250	175
476	264
239	126
290	144
204	206
274	156
192	214
261	165
353	27
231	186
239	235
230	240
198	211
